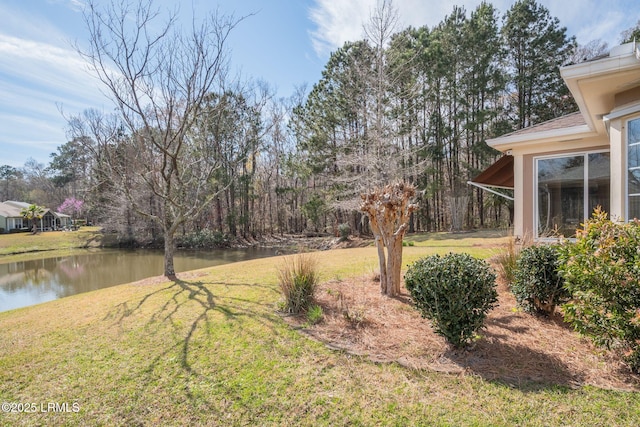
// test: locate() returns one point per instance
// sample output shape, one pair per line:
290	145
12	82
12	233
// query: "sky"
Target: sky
285	43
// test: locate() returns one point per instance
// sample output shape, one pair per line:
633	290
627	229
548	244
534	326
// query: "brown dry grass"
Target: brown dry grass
515	347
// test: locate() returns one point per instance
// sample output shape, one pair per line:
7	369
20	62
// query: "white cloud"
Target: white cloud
37	80
60	70
45	75
75	5
33	26
339	21
593	19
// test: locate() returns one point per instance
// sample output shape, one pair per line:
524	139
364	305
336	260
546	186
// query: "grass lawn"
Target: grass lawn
210	349
21	243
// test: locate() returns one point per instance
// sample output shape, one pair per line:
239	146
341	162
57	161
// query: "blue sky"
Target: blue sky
283	42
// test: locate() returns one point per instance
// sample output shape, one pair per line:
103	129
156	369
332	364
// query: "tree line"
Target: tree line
188	151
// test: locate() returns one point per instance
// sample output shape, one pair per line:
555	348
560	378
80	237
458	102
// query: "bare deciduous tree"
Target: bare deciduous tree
381	26
158	77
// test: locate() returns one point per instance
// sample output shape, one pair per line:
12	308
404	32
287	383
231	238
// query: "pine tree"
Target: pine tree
537	46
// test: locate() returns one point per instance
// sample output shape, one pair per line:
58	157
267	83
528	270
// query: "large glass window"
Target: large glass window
633	175
569	188
14	223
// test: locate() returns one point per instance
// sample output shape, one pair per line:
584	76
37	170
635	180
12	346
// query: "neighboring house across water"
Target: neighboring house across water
11	218
560	170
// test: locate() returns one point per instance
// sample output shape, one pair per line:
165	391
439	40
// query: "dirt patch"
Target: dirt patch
156	280
515	347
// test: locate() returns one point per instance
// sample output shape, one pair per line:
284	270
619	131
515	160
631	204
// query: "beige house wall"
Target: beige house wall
518	189
628	96
618	170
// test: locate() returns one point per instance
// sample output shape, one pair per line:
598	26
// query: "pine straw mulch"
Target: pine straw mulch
515	347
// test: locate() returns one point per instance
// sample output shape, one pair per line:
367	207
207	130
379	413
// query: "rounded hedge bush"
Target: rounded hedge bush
538	285
455	292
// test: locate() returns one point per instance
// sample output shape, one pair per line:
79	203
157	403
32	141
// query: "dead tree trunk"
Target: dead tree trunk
458	207
389	210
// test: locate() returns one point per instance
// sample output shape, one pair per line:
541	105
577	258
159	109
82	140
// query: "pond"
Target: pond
26	283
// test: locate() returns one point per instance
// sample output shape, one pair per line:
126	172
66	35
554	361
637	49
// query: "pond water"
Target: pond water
26	283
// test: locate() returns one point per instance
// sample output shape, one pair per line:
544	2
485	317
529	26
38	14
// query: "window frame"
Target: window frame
627	169
16	223
585	154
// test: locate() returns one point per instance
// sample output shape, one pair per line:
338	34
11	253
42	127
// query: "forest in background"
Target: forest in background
412	104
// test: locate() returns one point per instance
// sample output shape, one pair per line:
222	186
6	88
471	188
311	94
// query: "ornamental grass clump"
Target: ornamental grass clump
602	271
506	261
298	278
538	285
455	292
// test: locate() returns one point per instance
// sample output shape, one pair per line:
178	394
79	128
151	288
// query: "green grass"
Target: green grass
211	350
20	243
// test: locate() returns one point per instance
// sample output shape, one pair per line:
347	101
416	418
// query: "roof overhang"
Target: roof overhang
498	175
573	133
594	84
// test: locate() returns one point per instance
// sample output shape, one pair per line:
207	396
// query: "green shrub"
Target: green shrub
454	292
203	239
345	231
538	285
298	279
314	314
602	271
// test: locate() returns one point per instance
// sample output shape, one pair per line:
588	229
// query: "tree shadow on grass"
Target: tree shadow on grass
124	310
184	318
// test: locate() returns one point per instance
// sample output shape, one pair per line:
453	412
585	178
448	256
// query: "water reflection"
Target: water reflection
31	282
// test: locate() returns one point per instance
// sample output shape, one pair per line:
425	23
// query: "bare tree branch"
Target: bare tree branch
158	77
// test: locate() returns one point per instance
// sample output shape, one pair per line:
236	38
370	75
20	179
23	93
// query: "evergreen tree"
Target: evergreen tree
483	84
537	46
631	34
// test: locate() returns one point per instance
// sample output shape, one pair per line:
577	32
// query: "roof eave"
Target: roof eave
622	58
626	57
537	138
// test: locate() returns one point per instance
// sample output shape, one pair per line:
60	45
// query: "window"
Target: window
14	223
569	188
633	166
